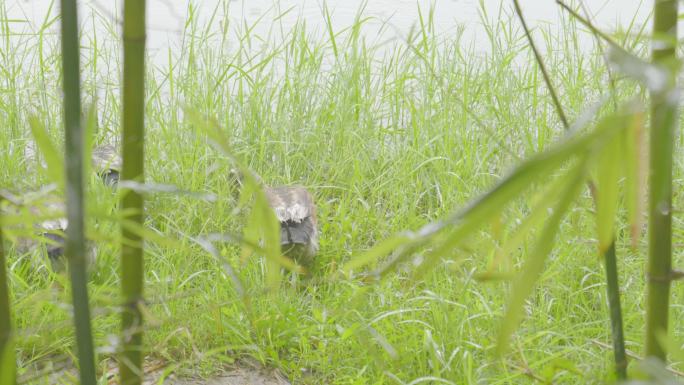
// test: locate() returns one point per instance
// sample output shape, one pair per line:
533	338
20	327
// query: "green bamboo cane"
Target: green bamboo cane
615	309
663	124
132	273
75	240
5	323
608	256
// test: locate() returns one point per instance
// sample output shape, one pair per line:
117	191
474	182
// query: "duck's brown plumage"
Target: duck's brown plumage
295	209
48	232
107	163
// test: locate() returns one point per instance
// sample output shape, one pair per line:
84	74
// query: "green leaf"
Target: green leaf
655	77
534	265
53	159
534	219
609	162
635	175
89	135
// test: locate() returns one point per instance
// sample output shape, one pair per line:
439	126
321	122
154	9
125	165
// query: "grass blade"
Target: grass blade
53	159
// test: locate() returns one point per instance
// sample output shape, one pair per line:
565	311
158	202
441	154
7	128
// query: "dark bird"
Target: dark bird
105	159
51	231
107	163
48	226
48	230
296	212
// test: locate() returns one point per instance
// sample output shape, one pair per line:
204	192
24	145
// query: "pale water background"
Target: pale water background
389	19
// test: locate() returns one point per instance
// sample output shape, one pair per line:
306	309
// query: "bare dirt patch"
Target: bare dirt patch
240	376
246	374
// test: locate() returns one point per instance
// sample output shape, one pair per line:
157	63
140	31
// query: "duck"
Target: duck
294	207
107	164
50	233
295	210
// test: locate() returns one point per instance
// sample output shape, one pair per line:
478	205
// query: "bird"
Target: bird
50	233
295	209
105	159
107	164
47	231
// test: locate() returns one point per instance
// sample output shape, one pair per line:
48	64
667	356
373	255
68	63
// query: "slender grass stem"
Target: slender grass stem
542	67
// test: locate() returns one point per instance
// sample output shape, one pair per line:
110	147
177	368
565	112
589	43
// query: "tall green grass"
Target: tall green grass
389	137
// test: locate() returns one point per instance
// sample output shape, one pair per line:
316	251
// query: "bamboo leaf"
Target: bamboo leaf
533	220
534	264
53	159
654	77
608	174
635	173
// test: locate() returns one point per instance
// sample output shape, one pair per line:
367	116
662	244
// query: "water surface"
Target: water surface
387	19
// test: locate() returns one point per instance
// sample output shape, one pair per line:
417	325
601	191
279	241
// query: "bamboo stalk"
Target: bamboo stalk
75	249
613	291
663	124
609	258
5	322
132	273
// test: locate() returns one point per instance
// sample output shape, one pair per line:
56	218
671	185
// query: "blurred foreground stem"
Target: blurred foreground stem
663	124
132	273
75	249
7	365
